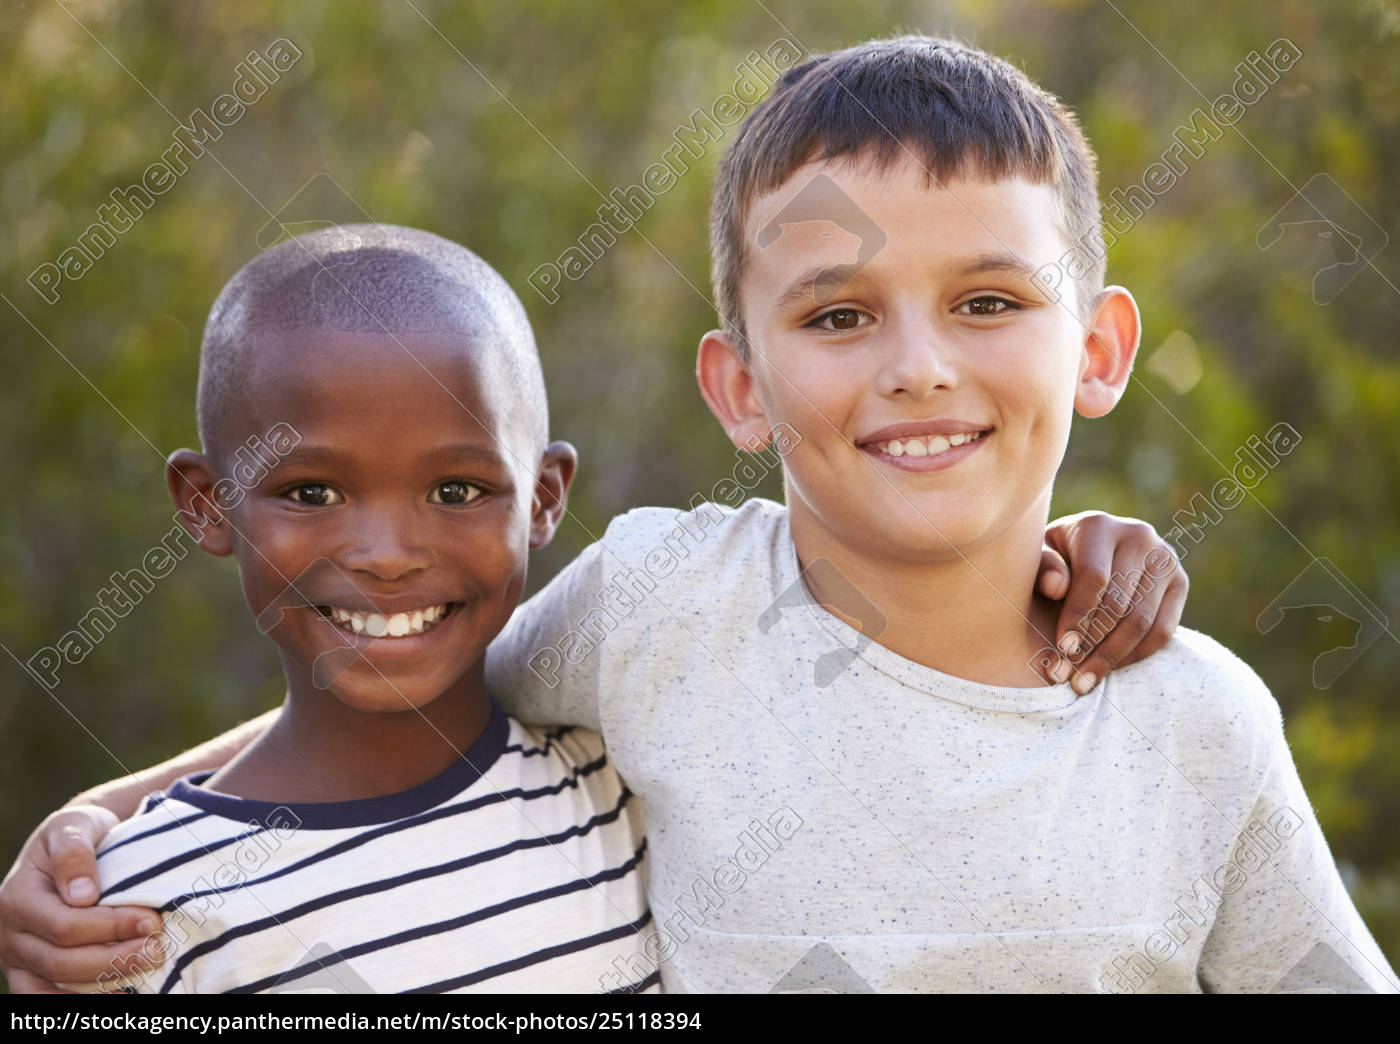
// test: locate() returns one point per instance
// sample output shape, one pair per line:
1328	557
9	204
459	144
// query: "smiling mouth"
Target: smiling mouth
381	625
926	445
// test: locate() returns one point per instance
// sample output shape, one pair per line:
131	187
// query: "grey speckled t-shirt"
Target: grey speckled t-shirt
864	823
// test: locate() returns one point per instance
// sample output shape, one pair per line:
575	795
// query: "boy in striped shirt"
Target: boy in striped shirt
393	830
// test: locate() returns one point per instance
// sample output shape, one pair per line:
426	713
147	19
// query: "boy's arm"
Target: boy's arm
1286	923
1122	586
543	667
123	795
50	931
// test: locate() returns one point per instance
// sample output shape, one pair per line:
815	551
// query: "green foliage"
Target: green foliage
499	125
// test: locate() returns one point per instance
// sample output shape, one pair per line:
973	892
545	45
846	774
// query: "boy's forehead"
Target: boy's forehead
850	211
854	193
326	375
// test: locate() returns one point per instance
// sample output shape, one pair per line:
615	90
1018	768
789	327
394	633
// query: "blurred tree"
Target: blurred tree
504	126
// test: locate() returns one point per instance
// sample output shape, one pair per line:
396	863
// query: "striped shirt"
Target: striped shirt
518	870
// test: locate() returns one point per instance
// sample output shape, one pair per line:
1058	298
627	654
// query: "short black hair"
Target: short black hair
366	279
958	110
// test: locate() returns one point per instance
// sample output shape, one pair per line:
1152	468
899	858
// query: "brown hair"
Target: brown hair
958	110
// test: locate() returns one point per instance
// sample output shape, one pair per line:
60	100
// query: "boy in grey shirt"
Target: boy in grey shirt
856	668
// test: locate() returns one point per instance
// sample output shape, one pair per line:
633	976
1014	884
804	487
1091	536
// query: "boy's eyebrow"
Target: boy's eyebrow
994	264
836	276
839	275
466	451
327	456
312	456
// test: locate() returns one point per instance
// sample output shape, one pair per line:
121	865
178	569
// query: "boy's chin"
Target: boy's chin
922	530
366	690
384	703
923	544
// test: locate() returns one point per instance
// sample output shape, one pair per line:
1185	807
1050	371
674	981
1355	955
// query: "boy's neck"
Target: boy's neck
972	613
319	749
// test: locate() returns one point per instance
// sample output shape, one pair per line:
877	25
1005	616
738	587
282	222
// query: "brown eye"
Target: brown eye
315	494
839	319
455	492
986	306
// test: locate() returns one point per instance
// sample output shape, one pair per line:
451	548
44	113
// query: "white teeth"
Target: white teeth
397	625
929	446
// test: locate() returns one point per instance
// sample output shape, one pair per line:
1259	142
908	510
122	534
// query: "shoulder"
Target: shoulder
569	768
566	744
666	539
544	755
1200	674
153	859
161	825
1201	692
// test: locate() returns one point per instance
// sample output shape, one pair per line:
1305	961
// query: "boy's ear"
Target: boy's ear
728	387
1109	350
191	477
556	474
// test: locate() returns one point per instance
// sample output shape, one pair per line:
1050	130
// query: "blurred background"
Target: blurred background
502	126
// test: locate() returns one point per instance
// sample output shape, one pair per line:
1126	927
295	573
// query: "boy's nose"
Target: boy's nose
916	362
386	547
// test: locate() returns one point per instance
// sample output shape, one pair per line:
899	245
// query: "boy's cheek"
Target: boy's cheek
260	547
806	406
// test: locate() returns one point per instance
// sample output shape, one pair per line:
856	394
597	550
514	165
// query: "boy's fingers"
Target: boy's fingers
21	981
1053	579
1090	571
1164	624
1133	623
39	911
71	839
1108	654
1137	617
74	964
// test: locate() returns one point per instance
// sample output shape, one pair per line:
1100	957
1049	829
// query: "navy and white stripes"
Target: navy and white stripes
519	869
